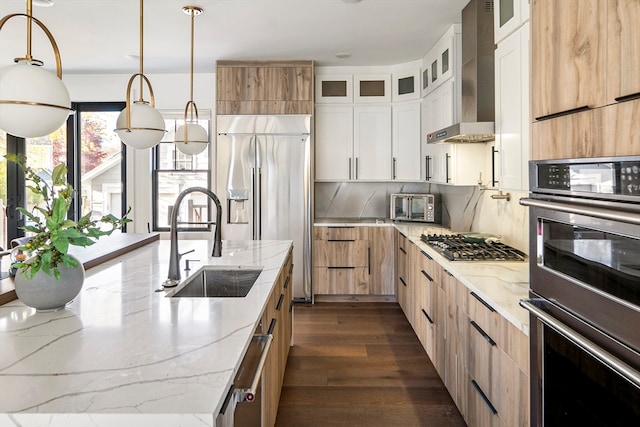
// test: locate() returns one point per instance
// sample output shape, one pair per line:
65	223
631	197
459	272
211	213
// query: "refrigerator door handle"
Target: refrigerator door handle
258	205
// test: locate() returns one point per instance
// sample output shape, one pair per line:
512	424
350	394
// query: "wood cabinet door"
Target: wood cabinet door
341	281
623	49
569	55
381	263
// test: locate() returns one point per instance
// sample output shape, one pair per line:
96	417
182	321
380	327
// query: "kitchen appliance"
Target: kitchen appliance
585	291
264	184
477	100
457	247
415	207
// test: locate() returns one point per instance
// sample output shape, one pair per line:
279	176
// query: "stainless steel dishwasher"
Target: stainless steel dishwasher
243	405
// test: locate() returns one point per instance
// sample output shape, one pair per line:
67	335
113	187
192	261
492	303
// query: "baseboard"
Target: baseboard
355	298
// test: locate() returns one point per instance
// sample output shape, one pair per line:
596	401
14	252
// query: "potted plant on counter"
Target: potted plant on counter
50	277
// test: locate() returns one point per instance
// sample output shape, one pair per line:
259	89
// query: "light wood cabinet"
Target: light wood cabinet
277	319
452	290
382	271
494	386
402	275
427	279
585	68
264	87
353	260
568	55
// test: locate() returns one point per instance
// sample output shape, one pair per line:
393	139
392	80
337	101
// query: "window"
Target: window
174	172
95	160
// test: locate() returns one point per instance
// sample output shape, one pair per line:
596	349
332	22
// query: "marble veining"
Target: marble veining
123	353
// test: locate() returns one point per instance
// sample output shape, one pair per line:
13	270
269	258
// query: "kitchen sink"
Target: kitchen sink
219	282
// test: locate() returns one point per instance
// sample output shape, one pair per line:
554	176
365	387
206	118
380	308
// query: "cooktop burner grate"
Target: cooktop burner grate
456	247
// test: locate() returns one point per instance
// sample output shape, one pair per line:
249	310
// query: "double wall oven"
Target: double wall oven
585	291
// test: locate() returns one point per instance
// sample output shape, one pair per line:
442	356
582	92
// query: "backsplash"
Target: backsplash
464	208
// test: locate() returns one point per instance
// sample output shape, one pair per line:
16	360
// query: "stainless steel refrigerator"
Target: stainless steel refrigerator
264	184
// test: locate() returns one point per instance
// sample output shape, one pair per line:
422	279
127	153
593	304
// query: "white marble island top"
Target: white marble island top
124	354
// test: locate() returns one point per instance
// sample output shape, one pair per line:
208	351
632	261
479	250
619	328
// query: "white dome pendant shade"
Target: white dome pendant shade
140	125
191	138
34	102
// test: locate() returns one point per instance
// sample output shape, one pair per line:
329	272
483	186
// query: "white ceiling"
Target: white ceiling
95	36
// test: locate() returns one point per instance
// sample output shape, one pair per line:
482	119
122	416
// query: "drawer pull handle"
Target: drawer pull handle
286	282
427	316
484	397
483	333
291	306
369	259
483	302
425	274
341	240
272	326
279	304
427	255
563	113
340	268
341	226
227	399
402	280
403	251
627	97
448	273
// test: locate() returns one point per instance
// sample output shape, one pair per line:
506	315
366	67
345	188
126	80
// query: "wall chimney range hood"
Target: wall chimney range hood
478	86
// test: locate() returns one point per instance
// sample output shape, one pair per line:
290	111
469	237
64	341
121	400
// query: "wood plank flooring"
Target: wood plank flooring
360	364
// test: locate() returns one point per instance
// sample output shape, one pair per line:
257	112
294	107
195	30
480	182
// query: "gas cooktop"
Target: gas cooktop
457	247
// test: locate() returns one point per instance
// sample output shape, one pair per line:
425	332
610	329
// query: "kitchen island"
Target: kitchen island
123	353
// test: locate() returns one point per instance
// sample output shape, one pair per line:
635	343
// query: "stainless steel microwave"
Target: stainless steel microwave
415	207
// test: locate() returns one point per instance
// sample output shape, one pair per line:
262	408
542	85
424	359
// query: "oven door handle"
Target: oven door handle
623	369
621	216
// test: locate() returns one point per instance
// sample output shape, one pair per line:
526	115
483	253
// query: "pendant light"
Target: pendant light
191	138
140	125
34	102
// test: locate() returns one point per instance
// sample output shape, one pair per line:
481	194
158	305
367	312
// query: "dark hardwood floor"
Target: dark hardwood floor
360	364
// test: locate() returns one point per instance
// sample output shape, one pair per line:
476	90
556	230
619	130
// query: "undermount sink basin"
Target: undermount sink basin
219	282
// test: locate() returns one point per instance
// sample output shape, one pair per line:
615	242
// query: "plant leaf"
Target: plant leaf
69	261
59	174
60	208
67	224
61	244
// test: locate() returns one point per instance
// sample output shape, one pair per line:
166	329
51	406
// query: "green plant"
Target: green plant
52	232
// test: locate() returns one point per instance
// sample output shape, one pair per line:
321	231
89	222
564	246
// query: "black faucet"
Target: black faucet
174	256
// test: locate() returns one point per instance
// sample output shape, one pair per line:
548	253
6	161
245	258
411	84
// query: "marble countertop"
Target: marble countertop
500	283
122	353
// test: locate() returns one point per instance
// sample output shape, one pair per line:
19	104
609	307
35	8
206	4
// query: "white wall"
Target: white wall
171	92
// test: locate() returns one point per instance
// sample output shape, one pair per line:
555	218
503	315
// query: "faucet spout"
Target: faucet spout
173	277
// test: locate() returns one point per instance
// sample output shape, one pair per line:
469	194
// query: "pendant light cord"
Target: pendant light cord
141	47
193	17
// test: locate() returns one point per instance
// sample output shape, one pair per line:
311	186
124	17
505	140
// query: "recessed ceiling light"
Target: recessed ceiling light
343	55
43	3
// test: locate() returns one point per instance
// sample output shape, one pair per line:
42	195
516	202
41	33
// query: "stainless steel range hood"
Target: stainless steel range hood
478	85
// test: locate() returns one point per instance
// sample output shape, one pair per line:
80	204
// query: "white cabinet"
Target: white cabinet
406	85
334	88
333	142
406	141
439	109
353	142
512	109
371	147
372	88
443	61
508	16
455	164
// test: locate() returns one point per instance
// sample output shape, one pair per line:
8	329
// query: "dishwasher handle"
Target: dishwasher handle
248	393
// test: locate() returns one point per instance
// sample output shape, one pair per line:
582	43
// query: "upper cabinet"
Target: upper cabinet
264	87
509	15
569	56
334	89
406	85
512	110
585	77
406	141
443	60
372	88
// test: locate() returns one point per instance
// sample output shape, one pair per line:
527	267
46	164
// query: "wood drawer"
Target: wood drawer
341	233
338	253
341	281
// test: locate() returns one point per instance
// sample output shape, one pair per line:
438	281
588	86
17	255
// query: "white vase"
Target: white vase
44	293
